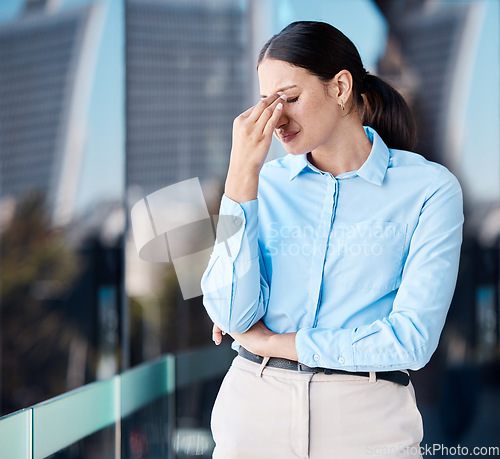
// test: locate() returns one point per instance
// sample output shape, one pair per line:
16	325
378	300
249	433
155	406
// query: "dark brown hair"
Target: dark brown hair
324	51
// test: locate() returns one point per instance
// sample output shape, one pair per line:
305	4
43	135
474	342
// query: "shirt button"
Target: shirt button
237	221
341	360
316	357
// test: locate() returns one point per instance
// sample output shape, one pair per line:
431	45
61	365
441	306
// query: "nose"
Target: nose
283	120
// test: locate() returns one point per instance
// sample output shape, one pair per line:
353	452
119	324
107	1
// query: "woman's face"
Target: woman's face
311	111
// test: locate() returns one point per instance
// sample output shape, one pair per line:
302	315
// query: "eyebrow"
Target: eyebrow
281	89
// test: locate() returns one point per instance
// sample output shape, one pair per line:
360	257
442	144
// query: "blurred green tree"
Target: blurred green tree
37	269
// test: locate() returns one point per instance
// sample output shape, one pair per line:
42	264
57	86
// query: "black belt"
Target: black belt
398	377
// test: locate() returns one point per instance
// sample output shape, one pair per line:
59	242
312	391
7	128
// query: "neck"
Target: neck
349	151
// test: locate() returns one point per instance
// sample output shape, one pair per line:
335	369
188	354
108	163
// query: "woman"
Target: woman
341	265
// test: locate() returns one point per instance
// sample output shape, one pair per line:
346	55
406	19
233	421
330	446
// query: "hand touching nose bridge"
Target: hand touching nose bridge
263	111
252	135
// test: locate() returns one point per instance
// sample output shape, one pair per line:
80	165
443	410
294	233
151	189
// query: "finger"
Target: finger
260	108
269	111
217	338
216	334
249	111
273	119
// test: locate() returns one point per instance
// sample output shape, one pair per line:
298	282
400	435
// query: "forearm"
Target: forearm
282	345
262	341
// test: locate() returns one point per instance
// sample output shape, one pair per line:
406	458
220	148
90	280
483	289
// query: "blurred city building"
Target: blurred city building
430	56
48	58
187	75
61	270
188	70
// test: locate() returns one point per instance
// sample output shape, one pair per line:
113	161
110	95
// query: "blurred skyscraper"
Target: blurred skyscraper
188	72
47	64
187	75
430	55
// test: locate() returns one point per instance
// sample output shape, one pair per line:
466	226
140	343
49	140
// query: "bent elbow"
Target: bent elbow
234	321
250	315
421	359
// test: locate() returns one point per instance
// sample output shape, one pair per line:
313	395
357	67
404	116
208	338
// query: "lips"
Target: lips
287	136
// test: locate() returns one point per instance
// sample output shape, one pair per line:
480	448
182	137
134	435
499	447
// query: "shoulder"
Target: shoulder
282	162
434	176
277	167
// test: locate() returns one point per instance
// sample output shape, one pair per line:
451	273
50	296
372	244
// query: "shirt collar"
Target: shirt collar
298	163
373	169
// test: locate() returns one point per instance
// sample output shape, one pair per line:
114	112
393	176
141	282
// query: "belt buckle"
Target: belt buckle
305	369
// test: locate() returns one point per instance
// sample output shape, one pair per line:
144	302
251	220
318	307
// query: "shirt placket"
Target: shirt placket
330	186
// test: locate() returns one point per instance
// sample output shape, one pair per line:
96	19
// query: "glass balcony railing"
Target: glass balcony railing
160	409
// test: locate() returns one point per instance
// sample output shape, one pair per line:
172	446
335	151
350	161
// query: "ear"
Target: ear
341	85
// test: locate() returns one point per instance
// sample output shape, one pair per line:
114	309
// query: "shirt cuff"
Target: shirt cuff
237	230
321	347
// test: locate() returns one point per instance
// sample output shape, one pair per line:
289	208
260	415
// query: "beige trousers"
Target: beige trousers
263	412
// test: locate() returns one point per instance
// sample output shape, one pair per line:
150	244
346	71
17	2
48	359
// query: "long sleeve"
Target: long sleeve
234	285
409	335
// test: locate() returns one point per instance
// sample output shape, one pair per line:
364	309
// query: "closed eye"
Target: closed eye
291	101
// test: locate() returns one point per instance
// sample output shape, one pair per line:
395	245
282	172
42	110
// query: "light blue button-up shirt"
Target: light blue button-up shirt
362	265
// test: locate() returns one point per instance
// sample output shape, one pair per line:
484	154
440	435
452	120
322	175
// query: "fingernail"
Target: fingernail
223	332
279	106
283	96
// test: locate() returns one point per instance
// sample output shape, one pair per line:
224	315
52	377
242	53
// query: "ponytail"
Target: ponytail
385	110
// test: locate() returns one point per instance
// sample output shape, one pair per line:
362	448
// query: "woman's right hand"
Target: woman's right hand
252	135
253	131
